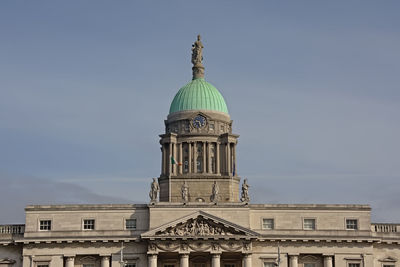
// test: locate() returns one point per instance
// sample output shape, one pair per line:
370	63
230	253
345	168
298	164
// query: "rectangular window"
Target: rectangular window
309	264
351	224
42	265
354	265
45	225
130	224
309	224
269	264
229	265
268	224
130	265
88	265
88	225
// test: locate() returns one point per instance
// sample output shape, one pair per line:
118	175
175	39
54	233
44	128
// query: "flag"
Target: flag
173	161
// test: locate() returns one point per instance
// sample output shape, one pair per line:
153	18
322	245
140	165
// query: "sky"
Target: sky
312	88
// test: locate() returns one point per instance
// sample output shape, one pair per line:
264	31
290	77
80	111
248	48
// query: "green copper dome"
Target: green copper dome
198	95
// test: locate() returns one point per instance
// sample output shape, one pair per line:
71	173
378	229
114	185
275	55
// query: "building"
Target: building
199	214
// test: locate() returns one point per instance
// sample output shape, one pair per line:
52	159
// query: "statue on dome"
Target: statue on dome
185	192
245	191
155	188
197	58
215	192
197	52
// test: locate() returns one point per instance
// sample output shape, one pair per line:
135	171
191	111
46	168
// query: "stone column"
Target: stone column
209	157
228	158
170	166
176	158
70	262
217	160
152	260
234	158
216	260
247	260
204	158
190	157
163	171
180	166
293	260
328	261
195	157
105	261
184	260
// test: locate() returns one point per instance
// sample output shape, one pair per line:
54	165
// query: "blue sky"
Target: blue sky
312	87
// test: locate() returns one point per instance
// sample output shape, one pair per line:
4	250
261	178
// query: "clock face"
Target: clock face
199	121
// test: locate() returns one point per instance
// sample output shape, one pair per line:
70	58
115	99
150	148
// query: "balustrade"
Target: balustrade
12	229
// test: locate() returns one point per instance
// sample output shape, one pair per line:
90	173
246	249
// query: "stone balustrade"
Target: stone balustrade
16	229
385	227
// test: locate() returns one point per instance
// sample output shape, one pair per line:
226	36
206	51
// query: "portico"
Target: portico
199	240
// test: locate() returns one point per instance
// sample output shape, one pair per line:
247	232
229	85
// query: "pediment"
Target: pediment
7	261
199	224
388	259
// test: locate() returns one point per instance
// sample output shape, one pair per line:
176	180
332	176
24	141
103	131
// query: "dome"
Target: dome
198	95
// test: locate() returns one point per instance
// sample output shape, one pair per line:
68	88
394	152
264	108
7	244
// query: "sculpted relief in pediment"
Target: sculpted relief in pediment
199	226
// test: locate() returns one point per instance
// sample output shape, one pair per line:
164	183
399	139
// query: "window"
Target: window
212	127
45	225
88	225
229	265
42	265
130	224
351	224
354	265
269	264
388	265
309	224
268	224
130	265
309	264
88	265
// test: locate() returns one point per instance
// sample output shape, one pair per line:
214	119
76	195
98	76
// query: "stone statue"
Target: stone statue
245	191
197	58
197	52
185	192
215	192
155	188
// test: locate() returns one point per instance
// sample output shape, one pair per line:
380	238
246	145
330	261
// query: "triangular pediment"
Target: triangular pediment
199	224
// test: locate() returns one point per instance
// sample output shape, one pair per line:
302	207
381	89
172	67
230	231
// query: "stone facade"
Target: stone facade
197	216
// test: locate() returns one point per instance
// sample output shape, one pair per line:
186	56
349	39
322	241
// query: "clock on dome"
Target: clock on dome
199	121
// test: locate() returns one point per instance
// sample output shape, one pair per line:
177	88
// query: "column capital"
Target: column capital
69	258
184	254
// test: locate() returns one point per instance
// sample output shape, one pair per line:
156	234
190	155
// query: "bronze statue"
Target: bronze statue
155	188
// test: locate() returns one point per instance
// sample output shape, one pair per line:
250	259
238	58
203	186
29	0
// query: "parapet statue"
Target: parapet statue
185	192
245	192
215	192
155	188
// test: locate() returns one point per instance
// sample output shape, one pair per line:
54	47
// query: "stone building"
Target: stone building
199	214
